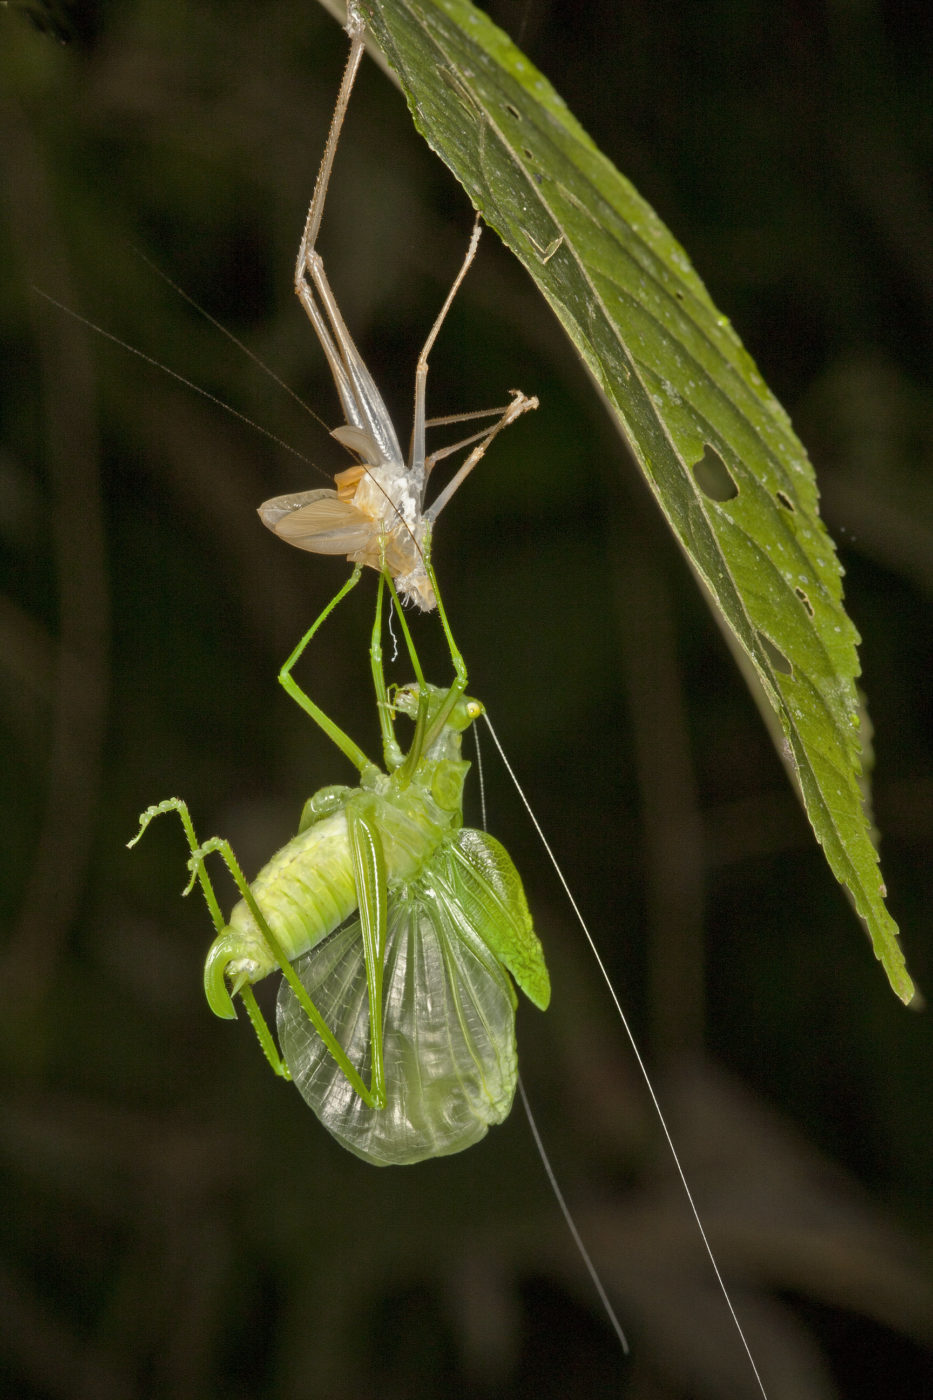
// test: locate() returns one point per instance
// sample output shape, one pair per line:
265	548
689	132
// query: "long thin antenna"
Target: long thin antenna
539	1144
174	374
480	778
635	1051
571	1223
241	345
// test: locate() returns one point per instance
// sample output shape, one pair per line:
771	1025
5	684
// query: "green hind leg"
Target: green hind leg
175	804
221	1005
227	947
333	731
372	893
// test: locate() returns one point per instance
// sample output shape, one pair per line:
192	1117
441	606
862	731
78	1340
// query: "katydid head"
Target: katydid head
433	761
415	699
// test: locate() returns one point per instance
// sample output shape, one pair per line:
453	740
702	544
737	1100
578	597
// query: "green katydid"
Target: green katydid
430	920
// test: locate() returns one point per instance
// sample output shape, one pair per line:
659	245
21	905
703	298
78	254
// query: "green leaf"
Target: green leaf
716	448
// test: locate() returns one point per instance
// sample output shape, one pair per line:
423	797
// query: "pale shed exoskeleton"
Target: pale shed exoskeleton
376	516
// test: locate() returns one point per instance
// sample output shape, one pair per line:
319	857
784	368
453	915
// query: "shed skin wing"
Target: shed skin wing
318	521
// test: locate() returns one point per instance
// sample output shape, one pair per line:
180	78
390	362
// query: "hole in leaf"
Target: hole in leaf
713	476
784	500
774	654
805	600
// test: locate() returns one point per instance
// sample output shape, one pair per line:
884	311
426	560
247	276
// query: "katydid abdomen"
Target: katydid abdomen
448	1038
308	888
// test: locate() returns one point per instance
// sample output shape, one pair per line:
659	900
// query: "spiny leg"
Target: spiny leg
175	804
403	623
422	737
263	1032
316	211
362	403
372	893
343	741
394	756
221	1005
225	949
520	404
390	746
460	670
421	370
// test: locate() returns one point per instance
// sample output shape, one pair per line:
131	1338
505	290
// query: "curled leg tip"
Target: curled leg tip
171	804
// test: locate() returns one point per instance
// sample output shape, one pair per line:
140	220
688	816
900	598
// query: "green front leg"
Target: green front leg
456	656
333	731
390	746
372	892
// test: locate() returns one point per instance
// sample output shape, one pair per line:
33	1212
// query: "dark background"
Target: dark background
178	1224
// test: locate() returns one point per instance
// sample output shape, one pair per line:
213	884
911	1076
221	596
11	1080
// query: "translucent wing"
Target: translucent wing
484	882
318	521
448	1040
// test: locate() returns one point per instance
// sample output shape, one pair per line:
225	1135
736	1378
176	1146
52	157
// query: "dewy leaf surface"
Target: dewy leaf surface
717	449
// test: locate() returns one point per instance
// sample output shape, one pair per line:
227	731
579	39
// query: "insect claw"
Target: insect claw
171	804
355	24
200	854
144	819
195	861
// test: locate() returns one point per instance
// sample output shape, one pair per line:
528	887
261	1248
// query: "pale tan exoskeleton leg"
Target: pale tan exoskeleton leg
377	516
362	403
